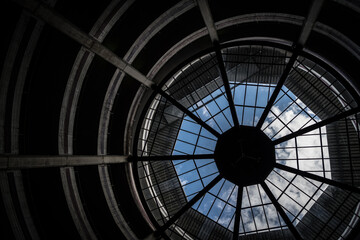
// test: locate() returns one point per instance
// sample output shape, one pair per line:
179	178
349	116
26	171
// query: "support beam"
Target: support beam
210	25
238	213
227	87
208	19
281	211
310	21
49	16
317	125
278	87
318	178
297	46
188	205
172	157
187	112
12	162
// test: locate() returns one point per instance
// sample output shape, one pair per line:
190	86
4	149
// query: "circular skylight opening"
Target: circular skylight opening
260	150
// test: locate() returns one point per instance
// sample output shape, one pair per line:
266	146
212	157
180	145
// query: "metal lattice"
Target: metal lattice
310	118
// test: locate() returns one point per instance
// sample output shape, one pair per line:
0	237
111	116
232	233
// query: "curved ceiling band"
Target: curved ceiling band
336	36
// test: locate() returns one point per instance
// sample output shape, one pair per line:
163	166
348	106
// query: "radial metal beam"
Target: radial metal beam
281	211
317	125
298	46
12	162
208	19
225	79
341	185
310	21
278	87
49	16
188	205
187	112
172	157
210	25
238	213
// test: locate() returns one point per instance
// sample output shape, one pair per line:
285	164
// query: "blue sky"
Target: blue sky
289	114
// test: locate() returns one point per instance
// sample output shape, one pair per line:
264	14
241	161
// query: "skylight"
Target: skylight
308	128
308	152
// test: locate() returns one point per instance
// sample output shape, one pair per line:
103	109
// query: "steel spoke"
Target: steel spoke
210	25
13	162
187	112
226	83
59	22
281	211
188	205
310	21
238	213
278	87
331	182
298	46
172	157
317	125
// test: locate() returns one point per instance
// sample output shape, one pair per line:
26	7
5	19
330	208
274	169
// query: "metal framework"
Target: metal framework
169	139
190	199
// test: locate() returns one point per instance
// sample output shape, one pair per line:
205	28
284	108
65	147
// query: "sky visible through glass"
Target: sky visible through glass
308	152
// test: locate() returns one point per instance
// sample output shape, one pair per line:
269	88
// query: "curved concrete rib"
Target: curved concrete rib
174	12
67	117
9	206
74	202
8	70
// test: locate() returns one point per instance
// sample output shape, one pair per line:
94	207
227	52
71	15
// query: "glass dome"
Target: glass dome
196	189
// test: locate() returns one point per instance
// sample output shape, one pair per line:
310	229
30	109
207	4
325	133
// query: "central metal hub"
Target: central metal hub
244	155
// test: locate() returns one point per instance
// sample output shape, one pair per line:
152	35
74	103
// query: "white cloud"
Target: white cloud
309	152
225	193
183	182
220	204
260	219
224	221
254	195
248	220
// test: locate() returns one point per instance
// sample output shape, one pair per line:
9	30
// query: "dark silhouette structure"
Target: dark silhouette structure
102	103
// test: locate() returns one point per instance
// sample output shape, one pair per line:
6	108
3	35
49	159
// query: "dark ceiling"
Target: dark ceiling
53	93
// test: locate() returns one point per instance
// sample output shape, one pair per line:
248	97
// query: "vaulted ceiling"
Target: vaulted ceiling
76	79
